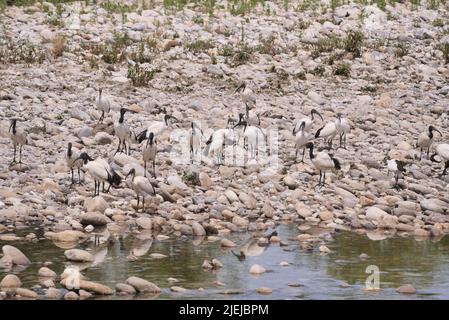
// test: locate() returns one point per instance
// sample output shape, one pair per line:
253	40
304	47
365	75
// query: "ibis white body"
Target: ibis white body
308	121
301	139
142	187
103	104
73	161
397	167
194	142
149	154
254	136
442	150
425	140
343	128
328	133
324	162
18	138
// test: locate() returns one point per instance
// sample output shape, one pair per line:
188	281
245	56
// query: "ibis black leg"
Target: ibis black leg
303	153
71	170
145	168
14	160
154	168
137	208
79	176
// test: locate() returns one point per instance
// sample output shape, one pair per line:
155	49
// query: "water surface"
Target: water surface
313	275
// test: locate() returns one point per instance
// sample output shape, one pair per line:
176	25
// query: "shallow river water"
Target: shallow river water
310	275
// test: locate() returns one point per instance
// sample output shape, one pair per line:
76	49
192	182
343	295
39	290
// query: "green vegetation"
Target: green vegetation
139	75
401	49
199	46
343	69
20	52
191	178
445	49
354	42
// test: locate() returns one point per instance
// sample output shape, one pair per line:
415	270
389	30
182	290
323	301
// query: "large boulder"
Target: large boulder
94	219
142	285
14	255
10	281
97	204
78	255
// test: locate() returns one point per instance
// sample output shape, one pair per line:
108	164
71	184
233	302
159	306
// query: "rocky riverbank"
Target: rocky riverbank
385	69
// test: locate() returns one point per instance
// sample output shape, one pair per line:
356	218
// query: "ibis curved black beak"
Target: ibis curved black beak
317	113
432	158
240	87
432	128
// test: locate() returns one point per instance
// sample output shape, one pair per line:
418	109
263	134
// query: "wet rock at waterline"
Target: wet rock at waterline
78	255
14	256
142	285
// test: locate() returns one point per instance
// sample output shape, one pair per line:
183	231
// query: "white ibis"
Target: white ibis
247	94
195	140
425	139
215	144
328	133
343	127
123	132
323	161
141	186
103	104
100	170
397	167
252	135
149	153
157	128
18	138
442	150
73	161
302	137
309	121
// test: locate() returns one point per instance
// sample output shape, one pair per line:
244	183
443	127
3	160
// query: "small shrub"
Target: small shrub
242	55
199	46
139	75
401	49
343	69
20	52
354	42
318	71
227	50
191	178
58	46
445	49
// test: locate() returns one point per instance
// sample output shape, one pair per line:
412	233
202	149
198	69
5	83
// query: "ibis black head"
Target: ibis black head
241	87
100	90
301	127
208	142
313	112
432	128
150	139
115	179
131	172
69	149
12	127
309	145
85	157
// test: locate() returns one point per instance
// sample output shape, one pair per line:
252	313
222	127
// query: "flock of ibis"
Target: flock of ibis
248	127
